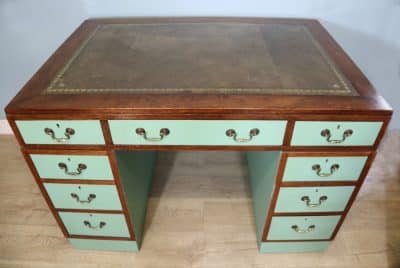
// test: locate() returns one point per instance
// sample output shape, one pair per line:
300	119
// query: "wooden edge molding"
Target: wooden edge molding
317	183
55	151
100	211
288	132
101	237
75	181
328	213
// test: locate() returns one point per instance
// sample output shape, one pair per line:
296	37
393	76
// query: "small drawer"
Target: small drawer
51	166
197	132
302	228
313	199
330	133
83	196
321	168
95	224
60	131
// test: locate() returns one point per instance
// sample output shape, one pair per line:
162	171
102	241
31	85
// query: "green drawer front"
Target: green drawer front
197	132
308	133
301	168
97	167
111	224
83	196
312	199
85	131
281	227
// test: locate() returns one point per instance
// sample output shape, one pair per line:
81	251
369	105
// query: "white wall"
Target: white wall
30	31
369	30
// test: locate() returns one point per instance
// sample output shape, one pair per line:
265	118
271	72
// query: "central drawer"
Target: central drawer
197	132
95	224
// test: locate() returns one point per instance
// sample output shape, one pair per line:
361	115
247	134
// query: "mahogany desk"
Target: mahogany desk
91	119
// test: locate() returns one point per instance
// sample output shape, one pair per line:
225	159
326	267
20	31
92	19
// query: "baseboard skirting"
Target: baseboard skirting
5	128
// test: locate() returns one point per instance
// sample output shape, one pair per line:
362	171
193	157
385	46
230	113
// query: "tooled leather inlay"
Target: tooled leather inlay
220	58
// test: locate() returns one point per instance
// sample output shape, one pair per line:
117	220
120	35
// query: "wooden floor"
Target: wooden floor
200	215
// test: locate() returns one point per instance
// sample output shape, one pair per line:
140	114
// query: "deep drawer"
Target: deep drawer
313	199
95	224
72	166
335	133
302	228
197	132
60	131
341	168
83	196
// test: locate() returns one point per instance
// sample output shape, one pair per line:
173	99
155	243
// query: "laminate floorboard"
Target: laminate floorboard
200	216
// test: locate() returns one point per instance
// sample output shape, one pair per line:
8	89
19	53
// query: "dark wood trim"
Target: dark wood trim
102	237
16	132
106	132
337	152
363	175
223	115
286	214
288	132
100	211
85	148
382	132
44	193
54	151
72	181
317	183
114	168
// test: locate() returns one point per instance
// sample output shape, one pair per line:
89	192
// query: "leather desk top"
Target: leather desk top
194	65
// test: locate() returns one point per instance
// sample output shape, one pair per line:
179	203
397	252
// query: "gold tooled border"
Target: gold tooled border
347	91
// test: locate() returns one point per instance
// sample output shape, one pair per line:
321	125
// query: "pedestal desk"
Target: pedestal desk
90	121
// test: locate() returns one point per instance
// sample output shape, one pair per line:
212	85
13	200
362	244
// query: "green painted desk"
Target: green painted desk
92	118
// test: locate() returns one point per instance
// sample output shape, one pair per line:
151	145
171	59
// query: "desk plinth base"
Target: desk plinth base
109	245
287	247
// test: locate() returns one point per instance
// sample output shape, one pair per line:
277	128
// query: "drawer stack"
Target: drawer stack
84	190
302	196
96	179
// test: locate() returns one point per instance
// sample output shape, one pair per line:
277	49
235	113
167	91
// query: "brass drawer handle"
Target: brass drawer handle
68	133
318	170
307	200
87	201
326	133
232	133
89	225
308	230
163	132
78	171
